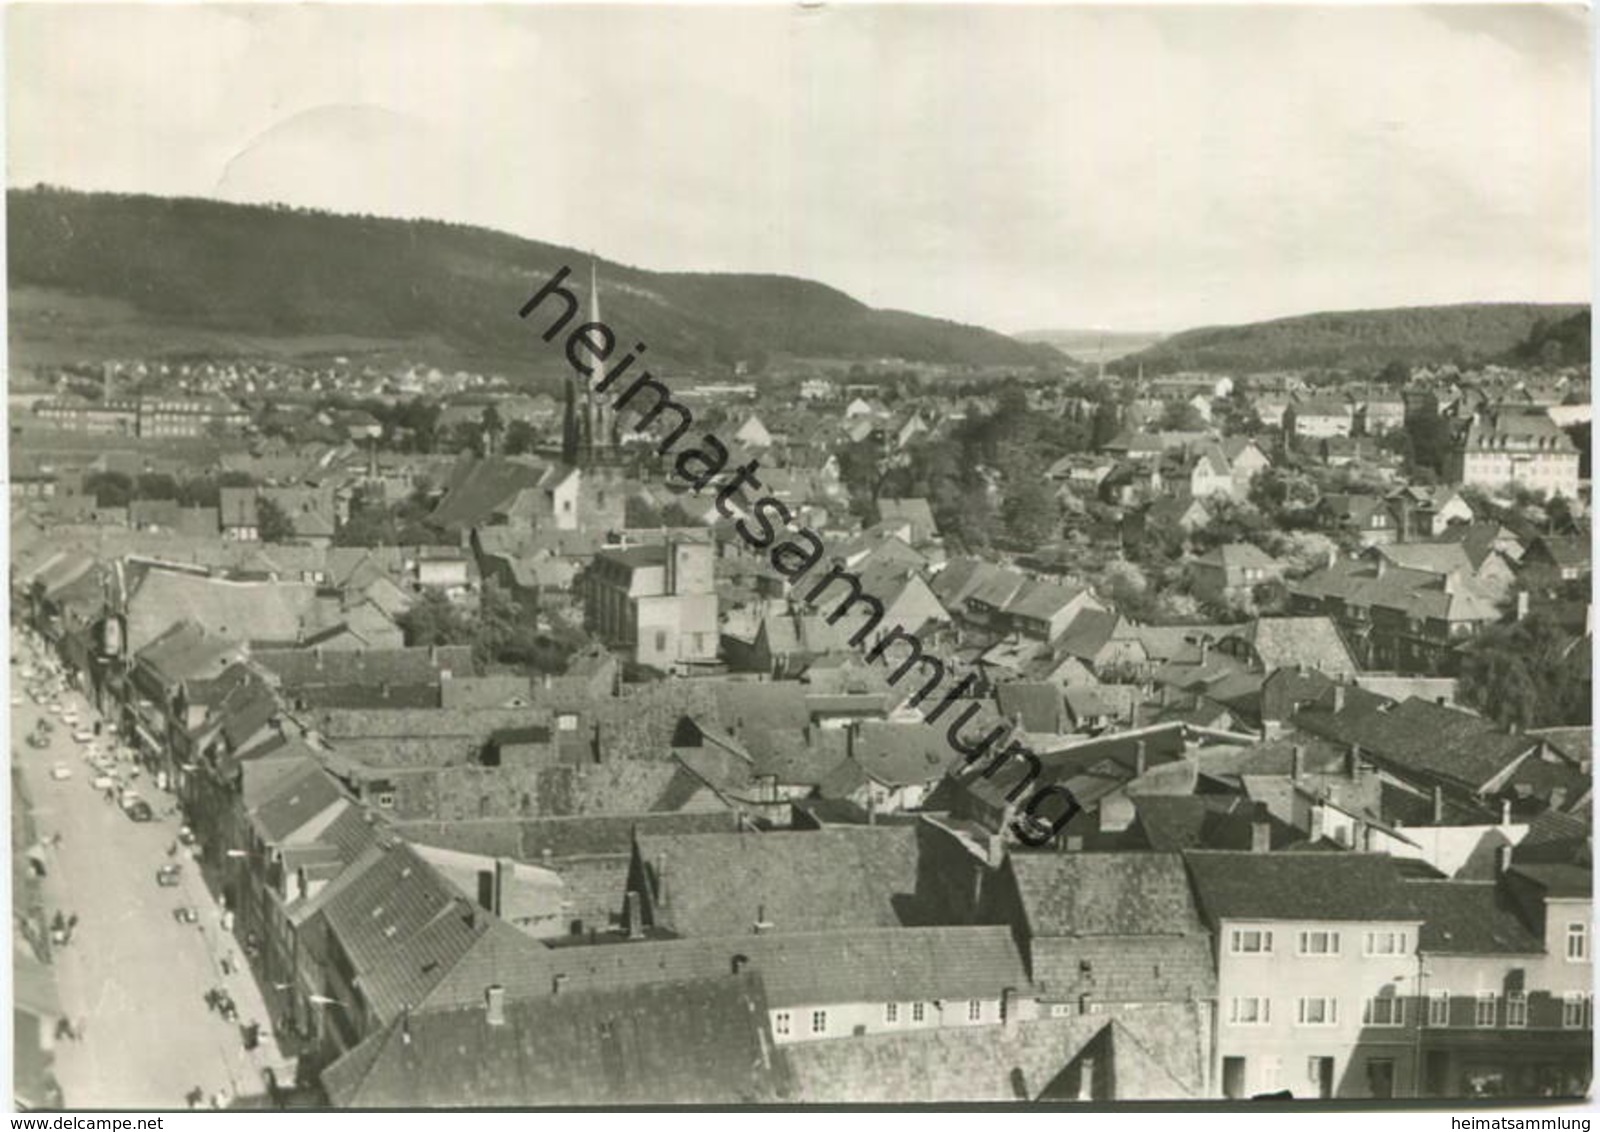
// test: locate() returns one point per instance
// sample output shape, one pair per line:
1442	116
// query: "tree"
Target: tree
1528	674
1030	513
1180	416
434	620
520	438
110	489
271	523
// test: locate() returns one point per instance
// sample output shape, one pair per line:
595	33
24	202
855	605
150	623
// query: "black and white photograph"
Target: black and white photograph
938	556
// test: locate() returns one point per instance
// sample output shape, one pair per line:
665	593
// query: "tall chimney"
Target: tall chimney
1009	1009
1299	762
1524	603
1438	805
1260	836
1353	763
635	916
1502	860
1338	697
494	1005
1505	811
504	871
662	899
1140	757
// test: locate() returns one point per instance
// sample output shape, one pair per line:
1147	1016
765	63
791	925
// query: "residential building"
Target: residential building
1308	947
657	603
1505	448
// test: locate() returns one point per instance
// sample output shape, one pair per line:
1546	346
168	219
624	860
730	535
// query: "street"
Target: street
133	979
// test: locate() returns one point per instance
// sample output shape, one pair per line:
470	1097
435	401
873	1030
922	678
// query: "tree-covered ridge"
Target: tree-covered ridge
1350	339
279	271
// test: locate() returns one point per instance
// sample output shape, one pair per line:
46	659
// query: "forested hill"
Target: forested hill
267	272
1354	339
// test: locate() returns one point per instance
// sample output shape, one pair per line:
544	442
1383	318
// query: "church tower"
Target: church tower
601	417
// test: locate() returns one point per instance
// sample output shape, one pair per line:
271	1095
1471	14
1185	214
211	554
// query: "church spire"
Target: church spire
601	418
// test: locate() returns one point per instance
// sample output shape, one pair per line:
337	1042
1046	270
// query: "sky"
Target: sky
1128	168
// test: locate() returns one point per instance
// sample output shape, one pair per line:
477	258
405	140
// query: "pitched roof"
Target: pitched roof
238	611
1467	917
1105	894
402	926
477	489
718	883
1416	735
696	1041
1287	642
1298	886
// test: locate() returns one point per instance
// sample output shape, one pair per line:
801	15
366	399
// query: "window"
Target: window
1385	943
1577	942
1319	1011
1319	943
891	1012
916	1011
1439	1008
1574	1010
819	1021
661	640
567	721
1488	1004
1386	1010
1517	1008
1252	943
780	1023
974	1011
1250	1011
386	800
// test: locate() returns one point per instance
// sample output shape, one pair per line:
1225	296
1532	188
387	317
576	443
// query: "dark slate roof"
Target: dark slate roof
1419	736
1298	886
406	666
1105	894
702	1041
477	489
1039	706
800	881
1559	880
403	927
951	1064
1468	917
294	801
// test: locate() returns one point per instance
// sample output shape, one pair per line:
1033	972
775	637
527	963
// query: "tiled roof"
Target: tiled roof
238	611
479	488
1467	917
718	883
402	927
1298	886
1415	735
294	801
702	1041
1149	1052
1286	642
1105	894
1040	706
296	667
1559	879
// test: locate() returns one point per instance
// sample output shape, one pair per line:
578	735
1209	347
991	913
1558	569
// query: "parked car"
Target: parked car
186	915
37	740
138	810
82	736
102	782
185	835
61	772
167	875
